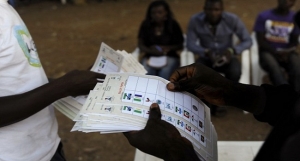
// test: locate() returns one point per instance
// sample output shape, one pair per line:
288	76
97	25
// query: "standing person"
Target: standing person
28	127
209	37
160	36
277	38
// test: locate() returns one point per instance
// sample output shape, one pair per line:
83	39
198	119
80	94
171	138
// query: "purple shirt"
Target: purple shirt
277	28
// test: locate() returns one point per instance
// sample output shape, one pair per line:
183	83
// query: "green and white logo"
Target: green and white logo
27	45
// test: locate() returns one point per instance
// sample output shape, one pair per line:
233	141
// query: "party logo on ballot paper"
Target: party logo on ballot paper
168	106
127	96
200	124
186	114
108	98
188	129
195	108
138	97
170	119
138	112
202	140
127	109
178	110
196	134
194	119
180	124
108	109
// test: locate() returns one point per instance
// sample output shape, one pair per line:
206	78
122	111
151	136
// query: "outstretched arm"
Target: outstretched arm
18	107
215	89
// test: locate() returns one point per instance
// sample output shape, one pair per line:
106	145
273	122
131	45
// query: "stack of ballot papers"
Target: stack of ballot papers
121	103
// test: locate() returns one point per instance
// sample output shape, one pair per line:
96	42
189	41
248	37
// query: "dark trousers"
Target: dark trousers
59	154
231	71
274	68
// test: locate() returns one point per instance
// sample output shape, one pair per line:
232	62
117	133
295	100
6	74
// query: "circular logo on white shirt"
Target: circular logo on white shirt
27	45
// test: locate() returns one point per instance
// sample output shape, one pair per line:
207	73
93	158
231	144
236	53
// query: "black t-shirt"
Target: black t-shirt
282	111
171	35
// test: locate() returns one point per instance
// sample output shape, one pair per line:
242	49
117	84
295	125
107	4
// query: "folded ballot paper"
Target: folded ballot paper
121	103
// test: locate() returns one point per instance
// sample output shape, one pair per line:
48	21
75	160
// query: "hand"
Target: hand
79	82
204	82
228	54
161	139
156	50
210	55
165	49
282	56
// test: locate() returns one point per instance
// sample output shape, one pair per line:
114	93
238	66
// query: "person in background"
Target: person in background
277	38
210	38
28	127
160	37
279	106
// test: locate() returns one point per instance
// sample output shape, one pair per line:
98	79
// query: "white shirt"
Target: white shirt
35	138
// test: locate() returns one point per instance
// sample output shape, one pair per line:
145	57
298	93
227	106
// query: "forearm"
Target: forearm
244	45
263	44
175	47
196	49
246	97
18	107
148	50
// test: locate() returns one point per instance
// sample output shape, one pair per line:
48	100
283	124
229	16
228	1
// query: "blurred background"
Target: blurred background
68	36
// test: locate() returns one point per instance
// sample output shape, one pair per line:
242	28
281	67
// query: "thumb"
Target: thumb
183	85
154	112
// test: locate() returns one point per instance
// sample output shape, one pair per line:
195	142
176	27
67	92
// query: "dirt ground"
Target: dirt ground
68	37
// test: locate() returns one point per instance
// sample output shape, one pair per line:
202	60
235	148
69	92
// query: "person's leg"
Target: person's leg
294	70
232	71
150	71
59	154
166	71
269	63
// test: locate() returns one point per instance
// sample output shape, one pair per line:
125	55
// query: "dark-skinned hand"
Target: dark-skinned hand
202	81
209	85
77	82
161	139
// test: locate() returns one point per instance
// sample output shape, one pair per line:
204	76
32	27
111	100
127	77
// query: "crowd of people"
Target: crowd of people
28	127
210	37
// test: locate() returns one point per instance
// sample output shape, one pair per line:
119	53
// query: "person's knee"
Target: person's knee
173	64
234	72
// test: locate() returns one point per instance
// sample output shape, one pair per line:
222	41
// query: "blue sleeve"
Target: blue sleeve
192	38
243	35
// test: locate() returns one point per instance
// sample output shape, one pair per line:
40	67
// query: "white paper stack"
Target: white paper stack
108	60
121	103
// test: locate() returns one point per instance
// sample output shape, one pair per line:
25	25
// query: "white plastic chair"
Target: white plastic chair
257	72
187	58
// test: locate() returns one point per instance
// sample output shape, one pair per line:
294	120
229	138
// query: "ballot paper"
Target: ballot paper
121	103
108	60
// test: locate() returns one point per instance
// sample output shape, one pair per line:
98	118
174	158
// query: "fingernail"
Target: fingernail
171	86
154	105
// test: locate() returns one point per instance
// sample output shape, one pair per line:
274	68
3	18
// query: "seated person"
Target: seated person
160	35
277	38
209	37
